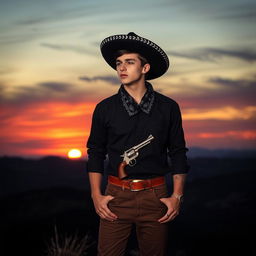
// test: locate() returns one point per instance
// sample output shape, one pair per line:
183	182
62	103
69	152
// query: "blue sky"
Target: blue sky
50	53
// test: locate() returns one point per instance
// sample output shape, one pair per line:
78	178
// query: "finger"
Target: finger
108	218
109	213
107	210
169	217
164	218
105	213
105	217
169	214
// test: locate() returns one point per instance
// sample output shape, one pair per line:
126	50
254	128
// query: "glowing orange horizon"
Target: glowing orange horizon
55	128
246	135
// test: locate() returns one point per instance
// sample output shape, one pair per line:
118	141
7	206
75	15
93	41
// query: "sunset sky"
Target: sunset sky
52	73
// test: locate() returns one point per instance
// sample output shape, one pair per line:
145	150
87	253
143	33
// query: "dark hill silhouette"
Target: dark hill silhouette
217	218
18	174
221	153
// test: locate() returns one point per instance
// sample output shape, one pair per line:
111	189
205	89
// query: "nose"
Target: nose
122	67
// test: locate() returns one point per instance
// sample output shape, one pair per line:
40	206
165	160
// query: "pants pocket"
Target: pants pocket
160	192
112	190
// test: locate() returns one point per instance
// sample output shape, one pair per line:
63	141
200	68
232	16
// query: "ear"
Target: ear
145	68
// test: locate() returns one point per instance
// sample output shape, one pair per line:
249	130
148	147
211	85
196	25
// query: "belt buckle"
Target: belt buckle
135	181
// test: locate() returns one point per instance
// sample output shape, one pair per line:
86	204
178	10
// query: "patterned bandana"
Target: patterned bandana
131	106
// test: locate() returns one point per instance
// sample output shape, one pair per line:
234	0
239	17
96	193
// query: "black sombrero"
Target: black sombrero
157	58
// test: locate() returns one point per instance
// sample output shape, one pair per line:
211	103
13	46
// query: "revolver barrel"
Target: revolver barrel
144	143
131	155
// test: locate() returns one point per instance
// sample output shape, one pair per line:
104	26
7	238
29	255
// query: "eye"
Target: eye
130	62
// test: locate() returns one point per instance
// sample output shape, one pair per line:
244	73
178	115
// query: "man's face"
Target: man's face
129	68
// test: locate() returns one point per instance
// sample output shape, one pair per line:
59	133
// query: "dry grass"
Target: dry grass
68	245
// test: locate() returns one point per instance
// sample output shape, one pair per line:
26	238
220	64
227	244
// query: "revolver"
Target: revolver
130	155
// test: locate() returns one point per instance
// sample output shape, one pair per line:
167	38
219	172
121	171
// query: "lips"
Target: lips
123	75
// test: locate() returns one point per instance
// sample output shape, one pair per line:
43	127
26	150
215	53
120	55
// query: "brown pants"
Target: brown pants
142	208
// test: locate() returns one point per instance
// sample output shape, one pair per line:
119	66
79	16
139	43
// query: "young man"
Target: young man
136	116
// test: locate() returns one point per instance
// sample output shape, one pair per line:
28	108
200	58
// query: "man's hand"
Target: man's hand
173	205
101	207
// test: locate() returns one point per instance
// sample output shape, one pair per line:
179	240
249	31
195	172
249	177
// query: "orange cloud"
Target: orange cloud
51	128
224	113
246	135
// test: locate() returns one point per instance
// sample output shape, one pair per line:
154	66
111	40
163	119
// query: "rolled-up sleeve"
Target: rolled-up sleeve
97	142
176	144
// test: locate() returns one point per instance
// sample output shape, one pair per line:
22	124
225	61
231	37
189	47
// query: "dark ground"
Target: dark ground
217	218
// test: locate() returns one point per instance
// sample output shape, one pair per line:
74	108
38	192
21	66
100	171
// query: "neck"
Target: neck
136	90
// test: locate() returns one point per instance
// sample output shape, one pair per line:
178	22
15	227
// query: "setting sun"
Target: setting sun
74	153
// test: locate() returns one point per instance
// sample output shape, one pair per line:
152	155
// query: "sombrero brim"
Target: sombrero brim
157	58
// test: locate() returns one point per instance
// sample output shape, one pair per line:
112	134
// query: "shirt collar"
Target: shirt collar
131	106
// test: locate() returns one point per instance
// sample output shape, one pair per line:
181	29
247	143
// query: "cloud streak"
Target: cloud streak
41	92
229	92
216	54
65	47
234	84
223	113
55	86
54	91
242	11
109	79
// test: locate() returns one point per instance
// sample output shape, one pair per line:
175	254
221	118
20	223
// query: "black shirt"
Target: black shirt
119	123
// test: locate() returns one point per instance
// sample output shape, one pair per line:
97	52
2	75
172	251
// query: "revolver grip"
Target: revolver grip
121	172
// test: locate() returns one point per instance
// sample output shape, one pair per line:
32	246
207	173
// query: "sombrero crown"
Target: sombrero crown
157	58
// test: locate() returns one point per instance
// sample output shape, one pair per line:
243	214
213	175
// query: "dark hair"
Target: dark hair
143	60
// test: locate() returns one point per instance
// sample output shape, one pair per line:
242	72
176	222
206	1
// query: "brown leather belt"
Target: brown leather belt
136	184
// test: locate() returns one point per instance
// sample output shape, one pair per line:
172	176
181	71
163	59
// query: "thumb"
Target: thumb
163	200
110	198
